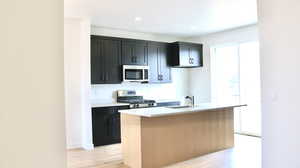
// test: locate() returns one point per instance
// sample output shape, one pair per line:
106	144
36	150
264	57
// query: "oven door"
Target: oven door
135	73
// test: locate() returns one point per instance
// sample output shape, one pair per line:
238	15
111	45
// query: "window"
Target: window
236	78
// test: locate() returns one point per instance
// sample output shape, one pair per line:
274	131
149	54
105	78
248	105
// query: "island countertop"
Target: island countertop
166	111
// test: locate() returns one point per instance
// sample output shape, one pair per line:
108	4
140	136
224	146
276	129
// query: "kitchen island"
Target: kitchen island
157	137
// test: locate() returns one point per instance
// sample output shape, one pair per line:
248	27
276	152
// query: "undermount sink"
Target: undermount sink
178	107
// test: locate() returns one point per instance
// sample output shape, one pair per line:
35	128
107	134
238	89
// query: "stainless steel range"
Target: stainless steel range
129	96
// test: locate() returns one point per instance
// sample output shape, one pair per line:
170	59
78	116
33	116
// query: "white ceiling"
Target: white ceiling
169	17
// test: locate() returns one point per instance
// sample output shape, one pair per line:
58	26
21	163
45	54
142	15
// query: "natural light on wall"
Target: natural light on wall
236	78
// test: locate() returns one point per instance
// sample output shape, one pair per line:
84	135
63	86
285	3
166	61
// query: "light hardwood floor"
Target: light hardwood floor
245	154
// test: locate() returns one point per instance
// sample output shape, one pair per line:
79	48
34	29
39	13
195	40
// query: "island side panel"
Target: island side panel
131	140
171	139
229	128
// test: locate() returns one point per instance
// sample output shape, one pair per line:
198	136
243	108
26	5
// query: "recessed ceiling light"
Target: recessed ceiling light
137	19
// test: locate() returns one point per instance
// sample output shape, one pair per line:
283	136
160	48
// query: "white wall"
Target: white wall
200	78
77	83
175	90
280	57
73	104
32	121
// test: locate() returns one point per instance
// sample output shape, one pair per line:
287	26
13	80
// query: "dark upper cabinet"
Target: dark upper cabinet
108	54
134	52
97	61
106	125
105	60
182	54
159	71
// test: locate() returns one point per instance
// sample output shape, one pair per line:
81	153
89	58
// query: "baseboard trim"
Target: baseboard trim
74	146
252	135
88	146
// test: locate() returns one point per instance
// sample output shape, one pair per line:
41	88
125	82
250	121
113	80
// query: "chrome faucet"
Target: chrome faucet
192	99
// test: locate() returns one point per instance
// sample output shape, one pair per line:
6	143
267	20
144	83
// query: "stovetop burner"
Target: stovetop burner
134	100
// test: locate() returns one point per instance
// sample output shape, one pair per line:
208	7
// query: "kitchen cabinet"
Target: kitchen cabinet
186	55
108	54
159	71
134	52
106	125
105	60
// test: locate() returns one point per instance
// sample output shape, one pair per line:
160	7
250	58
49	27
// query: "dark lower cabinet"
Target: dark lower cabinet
159	71
106	125
105	60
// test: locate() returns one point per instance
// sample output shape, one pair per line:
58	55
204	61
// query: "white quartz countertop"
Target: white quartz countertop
166	100
108	104
165	111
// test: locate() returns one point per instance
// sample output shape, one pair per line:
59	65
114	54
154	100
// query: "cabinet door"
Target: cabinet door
195	55
116	128
140	53
97	61
165	70
128	53
105	60
112	54
159	71
153	54
134	52
184	54
102	121
106	125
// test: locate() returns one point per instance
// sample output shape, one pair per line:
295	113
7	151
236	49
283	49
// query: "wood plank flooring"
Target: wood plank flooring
245	154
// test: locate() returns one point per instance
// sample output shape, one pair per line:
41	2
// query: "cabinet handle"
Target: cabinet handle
132	55
106	76
108	128
133	59
102	76
160	77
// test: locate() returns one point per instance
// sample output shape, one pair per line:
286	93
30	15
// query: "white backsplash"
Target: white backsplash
176	90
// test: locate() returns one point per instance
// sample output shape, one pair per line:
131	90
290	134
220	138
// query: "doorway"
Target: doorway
235	70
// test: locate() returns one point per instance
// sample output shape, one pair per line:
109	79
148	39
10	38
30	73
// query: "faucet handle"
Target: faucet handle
192	100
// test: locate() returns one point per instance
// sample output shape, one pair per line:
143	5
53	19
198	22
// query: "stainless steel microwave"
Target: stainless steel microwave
135	73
